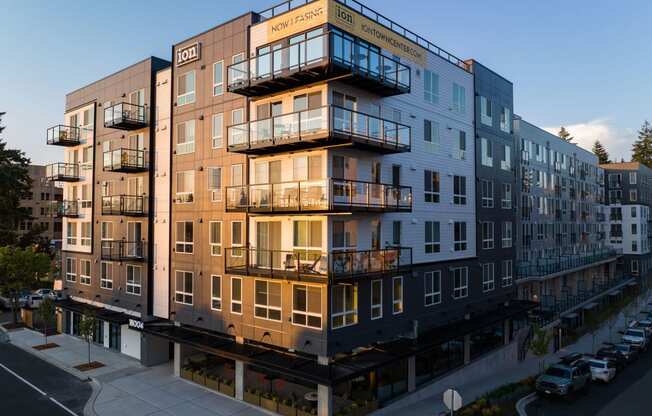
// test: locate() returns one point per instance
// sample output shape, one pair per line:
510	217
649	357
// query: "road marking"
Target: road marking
10	371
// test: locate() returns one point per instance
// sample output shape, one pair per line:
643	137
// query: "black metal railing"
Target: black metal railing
545	267
61	135
314	264
324	123
64	208
67	172
319	195
121	250
125	116
126	160
128	205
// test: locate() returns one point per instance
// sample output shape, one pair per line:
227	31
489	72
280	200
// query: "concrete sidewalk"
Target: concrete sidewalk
128	388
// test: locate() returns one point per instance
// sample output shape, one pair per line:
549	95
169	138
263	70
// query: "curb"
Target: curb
89	407
522	404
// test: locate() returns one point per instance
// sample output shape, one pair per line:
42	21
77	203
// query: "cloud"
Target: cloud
618	142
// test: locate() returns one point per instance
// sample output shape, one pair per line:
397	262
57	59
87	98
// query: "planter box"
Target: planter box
199	378
229	390
252	398
287	410
213	384
186	373
269	404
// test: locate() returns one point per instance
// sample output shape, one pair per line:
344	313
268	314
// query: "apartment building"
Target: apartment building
628	191
108	135
39	201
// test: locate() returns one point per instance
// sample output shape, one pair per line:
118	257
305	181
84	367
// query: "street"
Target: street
18	397
628	394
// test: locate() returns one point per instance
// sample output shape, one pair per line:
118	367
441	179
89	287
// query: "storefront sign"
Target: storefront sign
188	54
296	21
136	324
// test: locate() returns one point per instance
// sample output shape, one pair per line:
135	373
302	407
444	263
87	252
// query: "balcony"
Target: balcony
553	267
64	172
321	57
120	250
325	195
127	205
323	126
309	265
68	209
125	116
126	160
61	135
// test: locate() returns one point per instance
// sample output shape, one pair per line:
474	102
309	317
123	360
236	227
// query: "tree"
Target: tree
15	183
21	269
564	134
540	344
642	147
600	152
87	327
46	313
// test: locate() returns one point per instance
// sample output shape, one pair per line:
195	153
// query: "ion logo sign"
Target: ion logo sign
344	16
188	54
133	323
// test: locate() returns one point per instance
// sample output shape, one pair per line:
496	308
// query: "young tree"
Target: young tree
87	327
46	313
642	147
564	134
600	152
540	344
21	269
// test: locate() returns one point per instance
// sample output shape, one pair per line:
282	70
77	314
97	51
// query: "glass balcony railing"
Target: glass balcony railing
125	116
121	250
309	264
547	267
319	57
61	135
65	172
324	195
64	208
126	160
317	127
127	205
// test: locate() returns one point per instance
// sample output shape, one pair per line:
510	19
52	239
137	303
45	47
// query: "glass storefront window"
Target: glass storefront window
486	340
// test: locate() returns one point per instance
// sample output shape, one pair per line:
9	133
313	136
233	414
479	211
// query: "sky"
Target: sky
581	64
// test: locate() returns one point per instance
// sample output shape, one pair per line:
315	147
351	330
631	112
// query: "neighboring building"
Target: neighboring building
628	186
39	202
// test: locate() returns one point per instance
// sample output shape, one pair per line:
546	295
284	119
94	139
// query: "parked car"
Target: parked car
602	370
58	295
33	300
629	351
6	300
44	292
610	353
564	379
637	337
646	324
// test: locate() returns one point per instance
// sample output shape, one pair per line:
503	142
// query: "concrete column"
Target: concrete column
324	401
107	331
506	328
177	359
467	349
239	380
412	373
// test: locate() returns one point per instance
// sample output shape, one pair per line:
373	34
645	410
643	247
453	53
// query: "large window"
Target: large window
185	186
376	299
236	295
431	134
397	295
506	200
507	273
86	234
460	282
345	305
307	236
487	235
431	186
488	282
85	272
459	234
485	111
183	287
487	152
185	137
218	78
306	306
430	87
432	288
106	275
71	269
185	239
268	300
506	120
71	233
215	237
134	279
186	88
107	230
216	293
432	240
237	231
459	190
507	234
218	131
487	193
215	183
459	98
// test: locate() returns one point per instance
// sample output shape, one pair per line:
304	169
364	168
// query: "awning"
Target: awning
100	313
590	306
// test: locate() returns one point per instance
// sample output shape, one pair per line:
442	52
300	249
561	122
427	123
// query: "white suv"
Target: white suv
603	370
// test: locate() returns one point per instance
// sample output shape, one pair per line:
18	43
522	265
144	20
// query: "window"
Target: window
634	229
634	246
460	152
185	137
236	295
106	275
268	300
134	279
506	120
507	273
215	237
487	153
215	183
488	283
183	287
459	190
396	233
236	237
345	305
376	299
237	178
459	236
507	234
431	135
430	87
432	239
506	201
633	196
307	235
107	231
635	268
487	193
86	234
71	269
432	288
185	240
218	78
397	295
633	209
485	111
431	186
487	235
506	162
84	272
185	186
217	131
460	282
306	306
216	293
632	178
71	234
459	99
186	88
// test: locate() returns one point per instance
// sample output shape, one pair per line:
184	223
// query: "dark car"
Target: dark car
629	351
612	355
